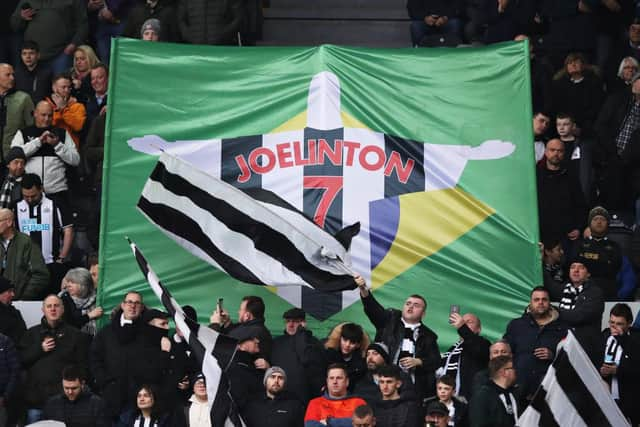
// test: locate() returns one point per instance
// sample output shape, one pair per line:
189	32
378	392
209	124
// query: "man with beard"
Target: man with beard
561	203
275	403
533	339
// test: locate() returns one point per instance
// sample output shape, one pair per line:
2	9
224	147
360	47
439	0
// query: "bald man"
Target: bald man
23	264
49	150
468	356
16	108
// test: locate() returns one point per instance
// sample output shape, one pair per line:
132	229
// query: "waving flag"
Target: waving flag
207	345
433	157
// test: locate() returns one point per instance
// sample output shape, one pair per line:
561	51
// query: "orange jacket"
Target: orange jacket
71	118
323	408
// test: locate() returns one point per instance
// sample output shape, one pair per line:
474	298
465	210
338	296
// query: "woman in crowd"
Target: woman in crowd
347	344
84	59
79	298
197	412
147	412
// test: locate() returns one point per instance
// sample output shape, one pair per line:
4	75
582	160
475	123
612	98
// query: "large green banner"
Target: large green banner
429	149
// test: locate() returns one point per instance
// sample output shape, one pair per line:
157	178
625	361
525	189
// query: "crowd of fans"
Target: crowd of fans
53	99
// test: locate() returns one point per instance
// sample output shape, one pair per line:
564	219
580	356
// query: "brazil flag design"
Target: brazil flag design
429	149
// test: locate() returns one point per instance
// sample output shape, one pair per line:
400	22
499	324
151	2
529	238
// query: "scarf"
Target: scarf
569	296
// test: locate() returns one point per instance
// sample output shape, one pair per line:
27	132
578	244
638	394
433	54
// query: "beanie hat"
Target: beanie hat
271	370
151	24
294	313
382	350
15	153
599	211
5	285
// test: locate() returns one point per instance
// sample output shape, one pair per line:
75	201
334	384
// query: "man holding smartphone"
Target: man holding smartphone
430	17
412	345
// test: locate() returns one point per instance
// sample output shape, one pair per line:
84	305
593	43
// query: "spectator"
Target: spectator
620	368
581	305
151	30
203	22
275	403
250	315
96	104
626	70
619	118
430	17
11	190
300	354
533	338
336	404
577	91
578	156
113	350
23	264
561	205
498	348
48	226
45	349
16	109
68	113
363	417
9	374
79	298
367	386
198	412
76	406
468	356
245	380
413	345
31	76
541	77
147	411
541	122
445	394
84	59
495	403
163	11
394	409
58	28
11	321
347	344
607	265
49	150
437	415
112	19
553	260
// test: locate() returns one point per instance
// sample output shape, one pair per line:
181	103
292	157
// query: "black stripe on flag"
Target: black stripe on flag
539	403
265	239
223	410
577	392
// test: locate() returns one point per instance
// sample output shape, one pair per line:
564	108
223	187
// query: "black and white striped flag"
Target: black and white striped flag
253	236
212	350
572	394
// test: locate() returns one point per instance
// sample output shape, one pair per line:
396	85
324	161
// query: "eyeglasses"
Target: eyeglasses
130	302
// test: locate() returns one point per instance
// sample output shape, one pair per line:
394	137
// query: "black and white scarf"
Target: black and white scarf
613	354
451	362
569	296
7	189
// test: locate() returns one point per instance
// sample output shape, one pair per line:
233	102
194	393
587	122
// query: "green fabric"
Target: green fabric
474	245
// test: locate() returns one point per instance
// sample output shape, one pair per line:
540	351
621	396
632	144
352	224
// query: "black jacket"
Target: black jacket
610	121
11	323
300	356
36	83
282	411
390	330
524	335
215	22
486	408
245	380
474	358
44	370
628	373
86	411
397	413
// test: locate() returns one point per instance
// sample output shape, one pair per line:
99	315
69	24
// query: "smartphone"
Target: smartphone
454	308
219	304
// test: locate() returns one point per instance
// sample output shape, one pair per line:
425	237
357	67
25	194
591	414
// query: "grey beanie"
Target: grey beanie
270	371
150	24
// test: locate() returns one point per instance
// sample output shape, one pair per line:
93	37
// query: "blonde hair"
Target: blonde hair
88	51
626	59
